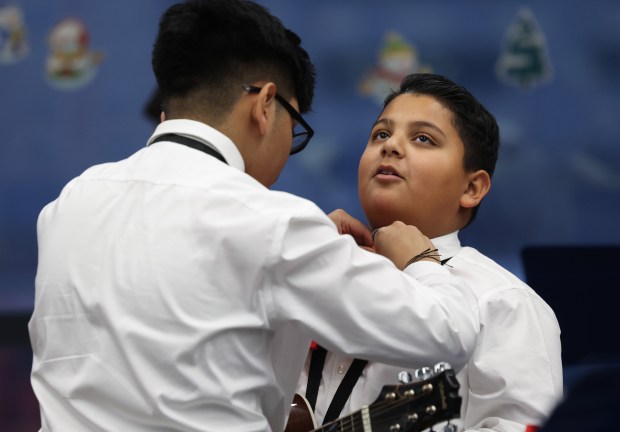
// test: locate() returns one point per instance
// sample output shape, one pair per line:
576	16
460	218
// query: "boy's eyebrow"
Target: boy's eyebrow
414	123
383	121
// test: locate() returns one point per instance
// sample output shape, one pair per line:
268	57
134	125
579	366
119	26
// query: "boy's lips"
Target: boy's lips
386	172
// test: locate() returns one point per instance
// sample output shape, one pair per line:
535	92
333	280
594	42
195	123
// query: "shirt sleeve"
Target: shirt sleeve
358	303
515	374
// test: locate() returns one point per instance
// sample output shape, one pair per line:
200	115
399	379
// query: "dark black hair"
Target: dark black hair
475	125
215	46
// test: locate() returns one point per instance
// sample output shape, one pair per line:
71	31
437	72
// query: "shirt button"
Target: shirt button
341	369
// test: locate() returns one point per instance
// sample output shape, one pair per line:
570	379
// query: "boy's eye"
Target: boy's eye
424	139
381	135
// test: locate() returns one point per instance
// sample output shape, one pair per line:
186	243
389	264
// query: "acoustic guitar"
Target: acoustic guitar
404	408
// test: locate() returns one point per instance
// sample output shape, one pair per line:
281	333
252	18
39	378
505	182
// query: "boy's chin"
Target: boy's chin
382	220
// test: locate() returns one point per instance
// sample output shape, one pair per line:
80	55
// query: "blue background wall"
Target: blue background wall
557	180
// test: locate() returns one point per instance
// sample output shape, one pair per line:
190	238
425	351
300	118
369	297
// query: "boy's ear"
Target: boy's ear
263	110
478	185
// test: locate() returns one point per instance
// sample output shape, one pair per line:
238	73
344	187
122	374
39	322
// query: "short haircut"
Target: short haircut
213	47
475	125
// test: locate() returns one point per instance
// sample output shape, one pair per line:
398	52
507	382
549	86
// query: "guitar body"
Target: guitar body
405	408
301	418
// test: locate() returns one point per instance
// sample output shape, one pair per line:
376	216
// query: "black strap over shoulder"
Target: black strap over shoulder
344	389
314	374
189	142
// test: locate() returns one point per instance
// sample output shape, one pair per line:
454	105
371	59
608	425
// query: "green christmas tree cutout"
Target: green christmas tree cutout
524	60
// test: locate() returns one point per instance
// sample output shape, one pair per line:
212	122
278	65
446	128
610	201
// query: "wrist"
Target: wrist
427	255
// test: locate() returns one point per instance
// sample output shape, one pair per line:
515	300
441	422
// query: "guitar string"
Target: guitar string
355	421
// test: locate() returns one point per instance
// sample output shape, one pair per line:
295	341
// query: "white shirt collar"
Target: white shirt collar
448	245
204	134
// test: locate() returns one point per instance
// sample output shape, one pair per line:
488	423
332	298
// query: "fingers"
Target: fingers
400	242
347	224
339	217
374	232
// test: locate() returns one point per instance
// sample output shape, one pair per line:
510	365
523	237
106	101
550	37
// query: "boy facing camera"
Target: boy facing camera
428	163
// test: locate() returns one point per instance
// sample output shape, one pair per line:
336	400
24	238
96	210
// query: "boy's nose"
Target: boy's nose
392	147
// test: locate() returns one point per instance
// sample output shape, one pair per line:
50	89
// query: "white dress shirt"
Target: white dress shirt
514	377
176	293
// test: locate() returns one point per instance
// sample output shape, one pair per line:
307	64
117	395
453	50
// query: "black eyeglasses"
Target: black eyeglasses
302	131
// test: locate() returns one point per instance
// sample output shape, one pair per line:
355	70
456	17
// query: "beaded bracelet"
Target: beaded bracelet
428	253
